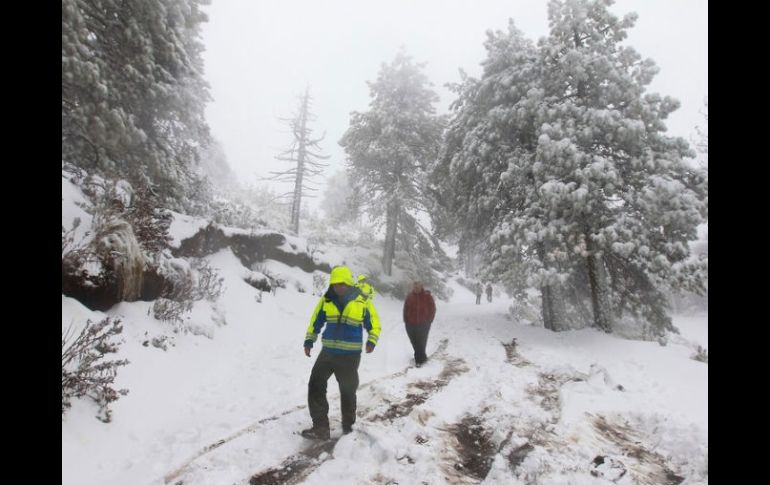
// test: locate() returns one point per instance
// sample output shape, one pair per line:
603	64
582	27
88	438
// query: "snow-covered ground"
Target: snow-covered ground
572	407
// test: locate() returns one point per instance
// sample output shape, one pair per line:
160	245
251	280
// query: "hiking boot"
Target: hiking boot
347	429
316	433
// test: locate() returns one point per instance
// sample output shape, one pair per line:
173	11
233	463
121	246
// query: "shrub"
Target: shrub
182	289
701	355
83	370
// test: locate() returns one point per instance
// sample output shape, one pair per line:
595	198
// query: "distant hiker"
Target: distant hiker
478	292
366	289
419	311
345	312
489	292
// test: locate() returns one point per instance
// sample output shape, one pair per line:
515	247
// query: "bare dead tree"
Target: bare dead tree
304	157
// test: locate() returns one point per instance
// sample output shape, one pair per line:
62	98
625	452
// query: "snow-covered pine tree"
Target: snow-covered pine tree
133	92
594	201
631	201
389	147
483	183
305	161
684	300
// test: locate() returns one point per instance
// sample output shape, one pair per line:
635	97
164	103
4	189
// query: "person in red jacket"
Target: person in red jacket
419	310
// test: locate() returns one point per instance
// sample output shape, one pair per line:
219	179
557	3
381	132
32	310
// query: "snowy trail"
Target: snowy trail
481	410
385	398
255	428
501	402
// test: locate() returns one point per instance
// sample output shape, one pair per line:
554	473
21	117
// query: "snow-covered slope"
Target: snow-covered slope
544	409
499	401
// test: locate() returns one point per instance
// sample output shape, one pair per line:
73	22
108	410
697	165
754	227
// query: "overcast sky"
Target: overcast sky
261	54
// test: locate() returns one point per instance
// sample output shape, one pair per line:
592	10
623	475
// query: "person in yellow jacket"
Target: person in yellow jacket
346	313
366	289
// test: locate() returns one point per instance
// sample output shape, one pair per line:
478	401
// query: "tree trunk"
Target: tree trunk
391	226
553	308
547	307
552	301
301	152
599	293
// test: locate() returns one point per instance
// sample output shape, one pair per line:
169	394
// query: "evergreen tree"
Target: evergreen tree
389	147
484	184
634	202
133	92
594	202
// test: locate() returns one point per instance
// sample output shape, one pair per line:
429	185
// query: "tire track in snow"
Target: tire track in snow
635	456
646	467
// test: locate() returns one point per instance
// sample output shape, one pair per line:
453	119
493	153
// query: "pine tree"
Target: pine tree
484	184
593	200
389	147
304	160
635	201
133	92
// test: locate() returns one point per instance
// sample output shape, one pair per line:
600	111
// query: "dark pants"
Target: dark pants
345	369
418	335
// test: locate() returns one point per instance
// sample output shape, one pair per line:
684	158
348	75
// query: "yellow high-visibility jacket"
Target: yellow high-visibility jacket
345	319
366	289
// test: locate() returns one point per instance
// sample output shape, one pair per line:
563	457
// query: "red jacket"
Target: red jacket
419	308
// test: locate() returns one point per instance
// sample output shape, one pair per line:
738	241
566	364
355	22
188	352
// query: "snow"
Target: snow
236	231
71	208
247	384
183	227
